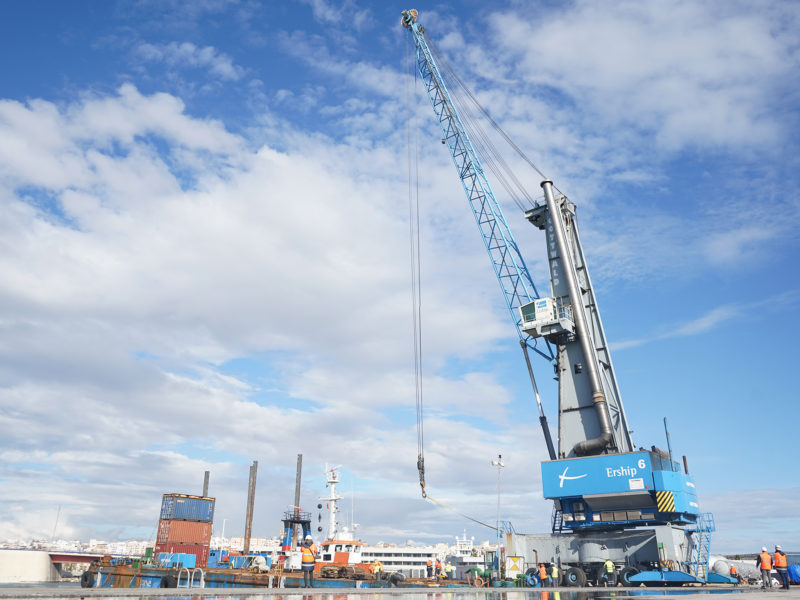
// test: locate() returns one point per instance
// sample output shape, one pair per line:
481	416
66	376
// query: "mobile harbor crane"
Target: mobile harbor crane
636	507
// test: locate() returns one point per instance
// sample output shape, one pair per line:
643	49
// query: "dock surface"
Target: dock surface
695	593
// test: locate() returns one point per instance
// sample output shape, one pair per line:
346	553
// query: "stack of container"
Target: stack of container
185	526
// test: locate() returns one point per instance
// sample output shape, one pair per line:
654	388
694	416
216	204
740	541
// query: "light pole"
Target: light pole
499	464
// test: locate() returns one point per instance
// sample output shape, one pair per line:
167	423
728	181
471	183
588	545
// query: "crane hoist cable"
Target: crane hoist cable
416	279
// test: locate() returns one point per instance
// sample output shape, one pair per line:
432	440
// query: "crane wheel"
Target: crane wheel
575	577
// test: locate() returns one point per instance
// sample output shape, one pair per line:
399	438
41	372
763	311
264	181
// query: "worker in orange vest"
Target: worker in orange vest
438	567
764	562
734	573
309	558
429	568
781	566
543	574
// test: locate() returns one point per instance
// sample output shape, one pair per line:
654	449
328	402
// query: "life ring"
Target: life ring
478	582
87	579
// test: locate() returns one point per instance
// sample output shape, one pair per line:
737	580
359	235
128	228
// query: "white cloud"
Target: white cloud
717	316
155	247
696	75
187	54
370	76
346	12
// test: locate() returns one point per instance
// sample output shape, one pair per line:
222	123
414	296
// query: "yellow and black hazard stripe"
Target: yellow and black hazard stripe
665	501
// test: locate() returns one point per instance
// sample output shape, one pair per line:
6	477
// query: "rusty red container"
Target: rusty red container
171	531
200	551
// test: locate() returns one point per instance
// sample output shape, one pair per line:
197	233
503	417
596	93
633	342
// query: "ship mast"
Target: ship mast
332	478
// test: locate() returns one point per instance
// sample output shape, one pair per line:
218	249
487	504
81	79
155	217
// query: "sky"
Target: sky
205	259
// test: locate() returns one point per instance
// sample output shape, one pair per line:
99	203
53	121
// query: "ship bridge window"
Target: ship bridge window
338	547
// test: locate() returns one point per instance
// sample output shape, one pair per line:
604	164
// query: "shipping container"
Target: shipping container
183	561
183	532
199	551
187	508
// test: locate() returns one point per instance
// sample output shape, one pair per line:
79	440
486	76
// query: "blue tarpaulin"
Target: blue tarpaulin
794	573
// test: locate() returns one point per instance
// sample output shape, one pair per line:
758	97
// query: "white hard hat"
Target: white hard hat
763	548
308	537
777	546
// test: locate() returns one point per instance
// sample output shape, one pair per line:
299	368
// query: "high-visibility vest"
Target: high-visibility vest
542	572
429	563
555	571
780	560
733	570
608	566
766	561
308	553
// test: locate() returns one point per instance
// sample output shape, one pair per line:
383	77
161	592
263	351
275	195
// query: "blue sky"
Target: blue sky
205	256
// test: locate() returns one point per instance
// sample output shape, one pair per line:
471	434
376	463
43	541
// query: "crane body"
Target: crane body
611	500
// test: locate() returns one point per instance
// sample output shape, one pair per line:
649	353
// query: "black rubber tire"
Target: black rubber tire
575	577
598	576
168	581
87	579
625	574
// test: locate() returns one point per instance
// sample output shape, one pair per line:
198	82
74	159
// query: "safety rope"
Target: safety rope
462	514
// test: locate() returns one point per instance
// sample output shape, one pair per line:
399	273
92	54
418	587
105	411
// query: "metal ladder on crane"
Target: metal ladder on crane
701	546
557	520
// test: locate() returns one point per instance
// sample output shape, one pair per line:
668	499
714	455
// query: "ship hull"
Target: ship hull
126	576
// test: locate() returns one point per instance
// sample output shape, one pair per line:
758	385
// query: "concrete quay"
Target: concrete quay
466	593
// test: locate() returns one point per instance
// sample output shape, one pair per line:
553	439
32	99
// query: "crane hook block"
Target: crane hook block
421	469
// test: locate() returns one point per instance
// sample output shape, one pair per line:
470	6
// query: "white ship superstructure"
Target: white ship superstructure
410	560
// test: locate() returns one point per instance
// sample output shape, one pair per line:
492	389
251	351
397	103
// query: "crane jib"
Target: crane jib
509	266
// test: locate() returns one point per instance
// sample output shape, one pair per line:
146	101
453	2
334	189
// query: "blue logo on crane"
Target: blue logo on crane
564	477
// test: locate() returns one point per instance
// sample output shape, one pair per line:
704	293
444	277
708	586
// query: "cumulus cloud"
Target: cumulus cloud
692	75
145	251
